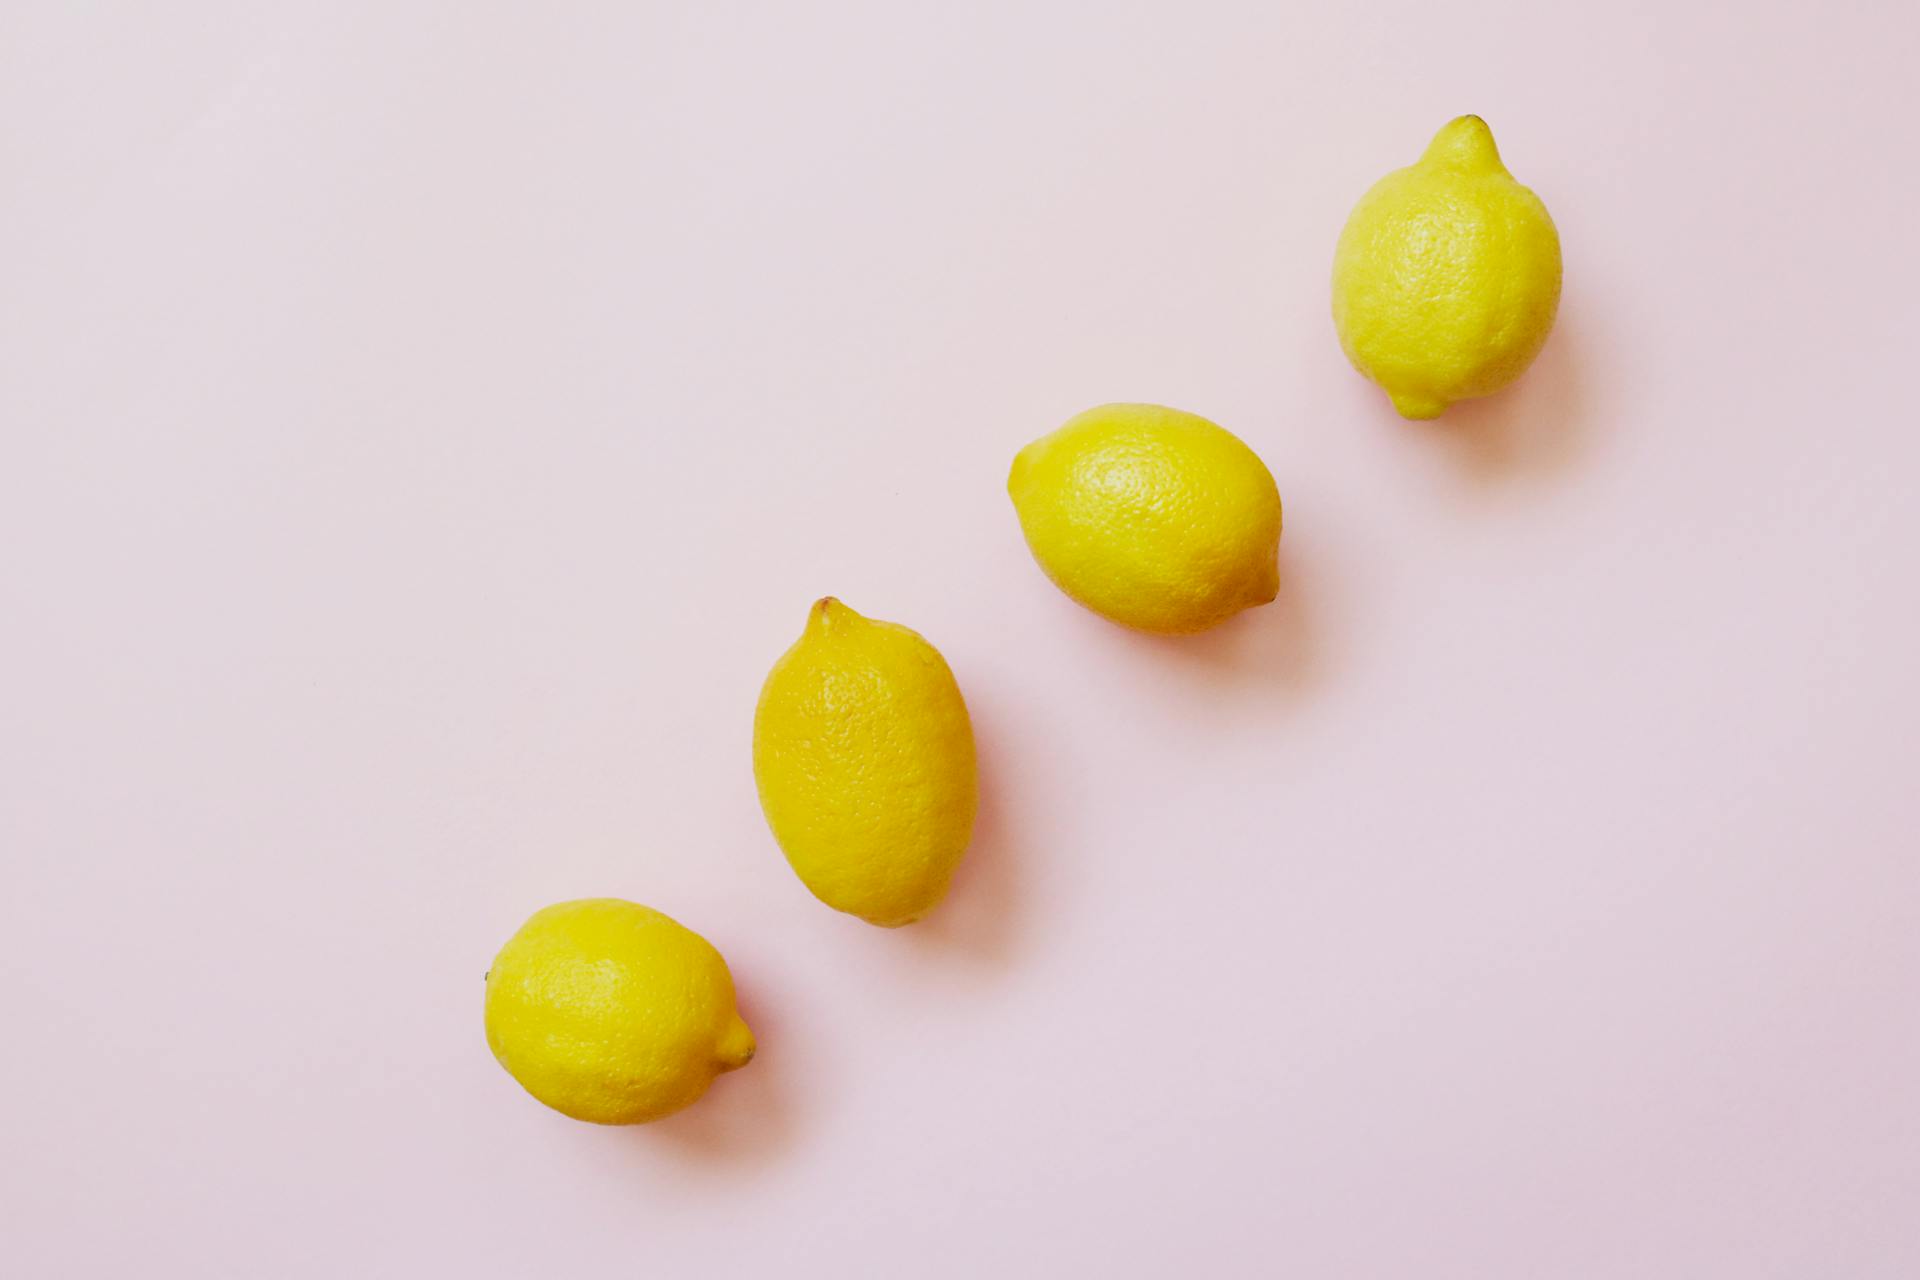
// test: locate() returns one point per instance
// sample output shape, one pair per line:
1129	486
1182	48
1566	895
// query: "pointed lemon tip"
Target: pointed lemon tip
1017	473
830	617
826	613
736	1047
1418	407
1267	590
1464	143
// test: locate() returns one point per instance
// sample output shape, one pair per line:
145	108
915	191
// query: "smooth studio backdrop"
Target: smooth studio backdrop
422	424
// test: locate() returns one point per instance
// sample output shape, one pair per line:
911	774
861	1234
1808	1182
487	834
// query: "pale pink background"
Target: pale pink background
424	423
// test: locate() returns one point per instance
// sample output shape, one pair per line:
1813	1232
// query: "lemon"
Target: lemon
1447	276
609	1011
1151	517
863	753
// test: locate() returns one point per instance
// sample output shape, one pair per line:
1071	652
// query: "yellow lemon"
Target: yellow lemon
611	1012
1447	277
1152	517
863	753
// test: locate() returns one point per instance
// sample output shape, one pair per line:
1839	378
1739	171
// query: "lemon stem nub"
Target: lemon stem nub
1419	407
736	1046
1465	144
825	612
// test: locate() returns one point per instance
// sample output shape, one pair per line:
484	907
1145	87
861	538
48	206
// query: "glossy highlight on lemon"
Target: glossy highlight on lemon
1154	518
1447	275
864	758
611	1012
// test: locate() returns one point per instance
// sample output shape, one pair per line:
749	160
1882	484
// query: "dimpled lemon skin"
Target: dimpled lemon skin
611	1012
1447	276
1153	518
863	754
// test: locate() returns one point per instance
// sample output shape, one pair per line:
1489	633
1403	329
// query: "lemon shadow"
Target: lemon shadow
1537	426
981	915
749	1116
1274	648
